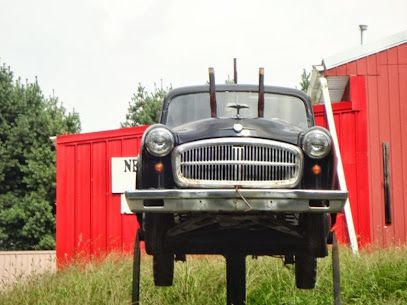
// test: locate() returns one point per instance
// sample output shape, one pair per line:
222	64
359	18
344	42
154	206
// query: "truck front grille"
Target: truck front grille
231	162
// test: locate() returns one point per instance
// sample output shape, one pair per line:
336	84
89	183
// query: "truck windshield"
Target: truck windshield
193	107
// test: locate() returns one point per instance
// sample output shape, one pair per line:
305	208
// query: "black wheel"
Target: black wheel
163	268
155	226
149	233
305	271
316	231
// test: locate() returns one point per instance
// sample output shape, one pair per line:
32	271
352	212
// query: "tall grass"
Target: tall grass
376	277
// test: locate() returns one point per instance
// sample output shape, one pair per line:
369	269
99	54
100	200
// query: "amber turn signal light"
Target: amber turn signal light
159	167
316	169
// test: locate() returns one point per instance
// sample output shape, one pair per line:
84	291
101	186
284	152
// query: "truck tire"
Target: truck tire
163	269
305	271
154	228
316	228
156	225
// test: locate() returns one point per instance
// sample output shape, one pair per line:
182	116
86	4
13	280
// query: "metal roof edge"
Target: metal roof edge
365	50
100	135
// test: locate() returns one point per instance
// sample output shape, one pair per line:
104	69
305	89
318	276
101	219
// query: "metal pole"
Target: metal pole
135	292
363	29
340	171
235	279
336	271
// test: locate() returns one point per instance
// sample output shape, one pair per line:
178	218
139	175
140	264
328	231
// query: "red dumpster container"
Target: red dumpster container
89	220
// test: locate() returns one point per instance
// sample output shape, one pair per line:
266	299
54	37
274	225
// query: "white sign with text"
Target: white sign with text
124	170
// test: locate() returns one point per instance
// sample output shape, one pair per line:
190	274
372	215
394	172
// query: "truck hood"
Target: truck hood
274	129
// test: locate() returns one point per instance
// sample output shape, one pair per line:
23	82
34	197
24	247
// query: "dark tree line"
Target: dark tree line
145	107
27	162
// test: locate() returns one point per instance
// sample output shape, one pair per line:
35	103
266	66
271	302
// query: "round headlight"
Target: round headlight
316	143
159	141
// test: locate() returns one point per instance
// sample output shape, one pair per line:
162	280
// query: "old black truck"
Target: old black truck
236	170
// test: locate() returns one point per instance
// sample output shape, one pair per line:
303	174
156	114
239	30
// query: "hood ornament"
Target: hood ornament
237	127
238	107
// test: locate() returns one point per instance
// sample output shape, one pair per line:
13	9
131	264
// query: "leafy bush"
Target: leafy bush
27	162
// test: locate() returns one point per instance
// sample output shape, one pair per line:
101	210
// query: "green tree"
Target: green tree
229	81
145	107
27	162
305	80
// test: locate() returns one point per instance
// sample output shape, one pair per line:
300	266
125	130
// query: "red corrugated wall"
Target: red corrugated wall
350	121
385	76
88	220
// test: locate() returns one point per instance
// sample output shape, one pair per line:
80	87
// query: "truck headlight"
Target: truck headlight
317	143
159	141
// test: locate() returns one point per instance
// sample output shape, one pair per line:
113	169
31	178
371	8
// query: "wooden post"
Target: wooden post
234	70
212	92
260	104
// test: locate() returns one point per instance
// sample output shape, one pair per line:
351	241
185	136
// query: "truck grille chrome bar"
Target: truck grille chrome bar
231	162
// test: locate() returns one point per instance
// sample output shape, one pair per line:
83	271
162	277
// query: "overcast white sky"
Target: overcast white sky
93	53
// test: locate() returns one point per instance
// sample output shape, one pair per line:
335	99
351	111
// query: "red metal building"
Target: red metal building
89	221
369	86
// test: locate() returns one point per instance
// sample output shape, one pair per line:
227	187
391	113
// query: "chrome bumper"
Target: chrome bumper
237	200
